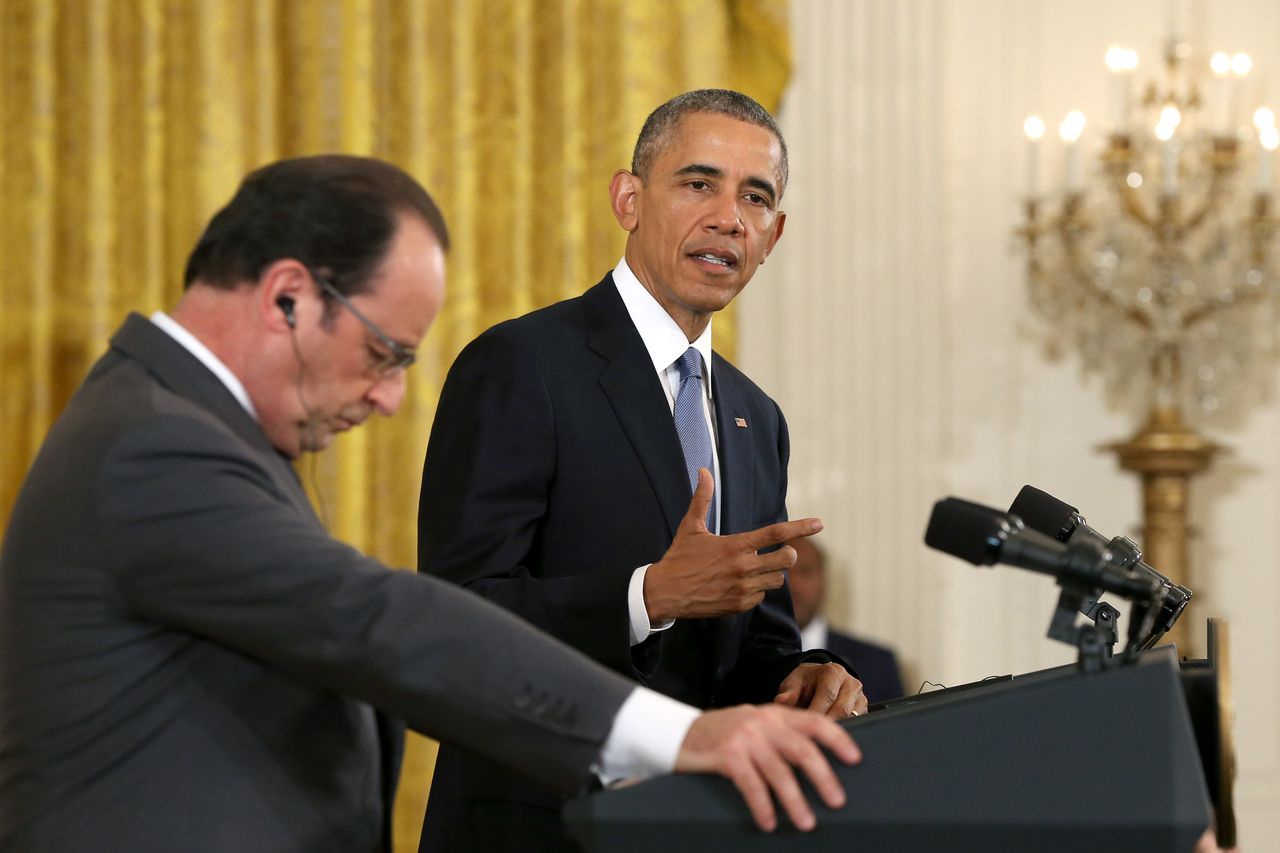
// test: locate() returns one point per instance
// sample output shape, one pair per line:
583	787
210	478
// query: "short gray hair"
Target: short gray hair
663	121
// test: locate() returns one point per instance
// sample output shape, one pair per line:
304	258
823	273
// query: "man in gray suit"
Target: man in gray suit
189	662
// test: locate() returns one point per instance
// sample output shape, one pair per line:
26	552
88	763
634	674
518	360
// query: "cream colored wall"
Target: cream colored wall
891	325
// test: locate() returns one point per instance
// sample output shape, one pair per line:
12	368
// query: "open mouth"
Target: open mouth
719	259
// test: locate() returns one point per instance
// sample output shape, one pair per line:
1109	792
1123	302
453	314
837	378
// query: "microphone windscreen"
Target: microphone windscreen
1044	513
970	531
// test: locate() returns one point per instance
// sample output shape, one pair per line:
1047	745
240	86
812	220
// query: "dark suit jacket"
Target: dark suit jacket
189	662
553	471
877	666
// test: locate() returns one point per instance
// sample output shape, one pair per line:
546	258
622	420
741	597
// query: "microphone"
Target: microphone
983	535
1043	512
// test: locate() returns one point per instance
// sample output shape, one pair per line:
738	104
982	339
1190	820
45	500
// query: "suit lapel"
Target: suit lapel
180	371
734	443
633	390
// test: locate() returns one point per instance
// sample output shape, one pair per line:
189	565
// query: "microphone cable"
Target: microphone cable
309	430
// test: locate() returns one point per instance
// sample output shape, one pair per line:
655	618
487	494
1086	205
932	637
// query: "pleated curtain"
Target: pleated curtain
124	124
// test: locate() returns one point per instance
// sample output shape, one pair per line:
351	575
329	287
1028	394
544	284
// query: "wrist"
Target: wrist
656	604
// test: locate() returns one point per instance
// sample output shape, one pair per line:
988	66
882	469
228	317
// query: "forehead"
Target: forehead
722	141
407	289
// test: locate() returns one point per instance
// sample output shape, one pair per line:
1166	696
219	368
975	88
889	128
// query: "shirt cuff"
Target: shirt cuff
646	737
640	627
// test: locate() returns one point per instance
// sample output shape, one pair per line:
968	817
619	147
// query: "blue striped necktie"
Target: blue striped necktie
691	424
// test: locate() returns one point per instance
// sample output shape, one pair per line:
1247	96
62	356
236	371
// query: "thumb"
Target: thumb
697	514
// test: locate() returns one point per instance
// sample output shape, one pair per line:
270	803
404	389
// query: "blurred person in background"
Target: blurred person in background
876	665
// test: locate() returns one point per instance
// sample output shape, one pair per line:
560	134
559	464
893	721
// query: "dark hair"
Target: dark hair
663	121
335	213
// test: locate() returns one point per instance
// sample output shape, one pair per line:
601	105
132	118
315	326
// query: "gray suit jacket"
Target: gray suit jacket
189	662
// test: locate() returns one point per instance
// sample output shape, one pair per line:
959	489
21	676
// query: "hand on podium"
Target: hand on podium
827	688
757	747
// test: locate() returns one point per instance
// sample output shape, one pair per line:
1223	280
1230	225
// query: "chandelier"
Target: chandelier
1159	264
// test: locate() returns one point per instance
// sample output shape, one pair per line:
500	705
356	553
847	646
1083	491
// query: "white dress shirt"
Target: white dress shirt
665	342
192	344
647	732
814	635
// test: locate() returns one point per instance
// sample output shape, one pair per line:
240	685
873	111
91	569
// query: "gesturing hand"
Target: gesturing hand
827	688
704	575
756	748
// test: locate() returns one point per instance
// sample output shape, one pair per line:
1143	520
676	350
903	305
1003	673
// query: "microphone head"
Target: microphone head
970	531
1045	514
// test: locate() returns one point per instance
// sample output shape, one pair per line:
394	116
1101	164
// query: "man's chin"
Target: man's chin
313	438
713	296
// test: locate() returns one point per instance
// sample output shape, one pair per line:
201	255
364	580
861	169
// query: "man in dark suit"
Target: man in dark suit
189	662
566	445
877	666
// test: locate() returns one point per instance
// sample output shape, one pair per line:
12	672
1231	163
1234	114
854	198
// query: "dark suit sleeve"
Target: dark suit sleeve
770	648
199	541
490	467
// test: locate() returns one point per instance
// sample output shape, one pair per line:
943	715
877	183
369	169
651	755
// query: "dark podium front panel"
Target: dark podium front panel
1053	761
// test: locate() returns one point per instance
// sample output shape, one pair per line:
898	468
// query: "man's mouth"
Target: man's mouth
720	259
342	423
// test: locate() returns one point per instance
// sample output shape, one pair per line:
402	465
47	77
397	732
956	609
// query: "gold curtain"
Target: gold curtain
126	123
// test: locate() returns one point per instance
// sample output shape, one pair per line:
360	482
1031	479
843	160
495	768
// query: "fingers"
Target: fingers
783	531
837	694
791	691
860	701
776	561
803	753
767	773
846	703
759	750
836	739
701	502
742	771
781	779
827	686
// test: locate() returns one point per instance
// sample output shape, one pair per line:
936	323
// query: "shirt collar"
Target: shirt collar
192	344
663	339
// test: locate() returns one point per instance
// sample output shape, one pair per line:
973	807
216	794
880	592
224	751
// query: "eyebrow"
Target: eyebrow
715	172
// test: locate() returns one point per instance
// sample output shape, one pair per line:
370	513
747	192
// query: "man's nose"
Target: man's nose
387	393
724	216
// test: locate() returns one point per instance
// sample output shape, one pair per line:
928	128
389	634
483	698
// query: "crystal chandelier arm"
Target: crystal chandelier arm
1081	272
1262	230
1211	199
1071	226
1236	297
1131	201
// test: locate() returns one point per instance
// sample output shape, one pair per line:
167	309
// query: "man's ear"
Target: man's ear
779	223
282	287
624	191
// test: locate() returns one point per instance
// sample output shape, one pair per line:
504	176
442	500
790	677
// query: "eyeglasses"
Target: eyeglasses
397	358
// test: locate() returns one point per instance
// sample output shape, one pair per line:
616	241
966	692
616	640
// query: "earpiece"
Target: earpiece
286	305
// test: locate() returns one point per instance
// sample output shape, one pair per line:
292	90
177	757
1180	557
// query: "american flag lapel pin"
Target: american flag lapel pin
741	422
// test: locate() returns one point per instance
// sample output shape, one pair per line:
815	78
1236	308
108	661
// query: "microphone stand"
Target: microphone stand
1094	642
